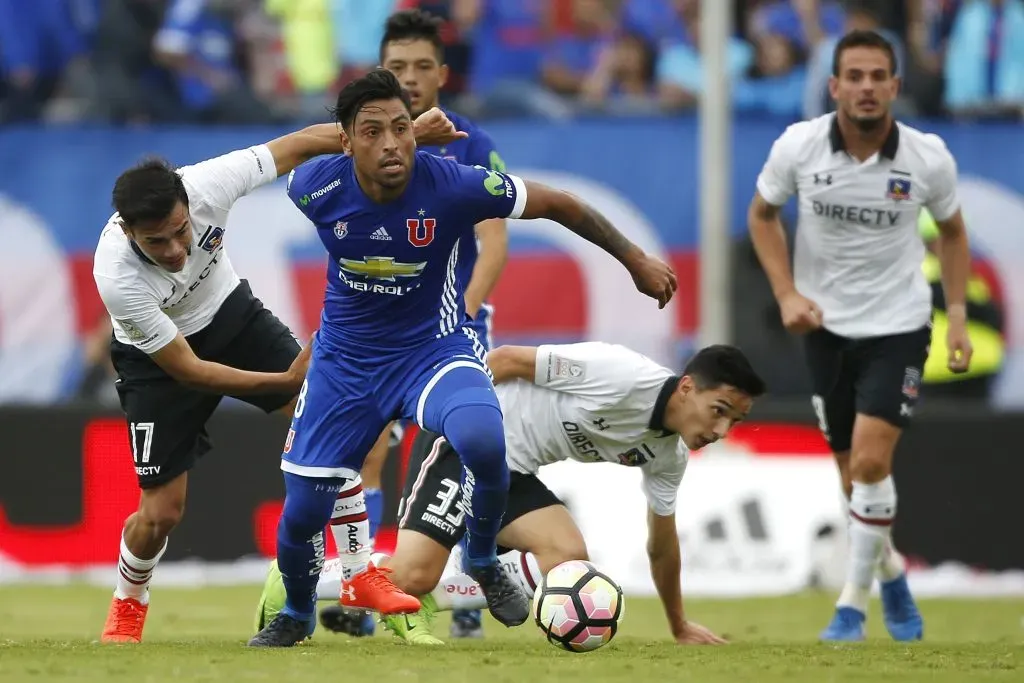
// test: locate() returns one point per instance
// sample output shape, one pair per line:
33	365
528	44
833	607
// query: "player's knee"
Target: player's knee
415	578
477	434
555	554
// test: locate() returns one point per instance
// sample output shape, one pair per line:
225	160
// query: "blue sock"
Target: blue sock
374	509
475	431
308	504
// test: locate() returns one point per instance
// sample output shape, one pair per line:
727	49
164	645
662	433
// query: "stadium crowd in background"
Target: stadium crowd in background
269	61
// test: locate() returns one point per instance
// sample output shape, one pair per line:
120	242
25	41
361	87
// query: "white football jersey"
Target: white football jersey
858	254
596	402
148	305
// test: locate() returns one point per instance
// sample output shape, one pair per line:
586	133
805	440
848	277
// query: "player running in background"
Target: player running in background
588	402
188	331
393	340
859	296
412	49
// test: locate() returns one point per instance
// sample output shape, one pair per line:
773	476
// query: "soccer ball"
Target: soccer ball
577	607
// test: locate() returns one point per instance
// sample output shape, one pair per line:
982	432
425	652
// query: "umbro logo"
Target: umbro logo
380	234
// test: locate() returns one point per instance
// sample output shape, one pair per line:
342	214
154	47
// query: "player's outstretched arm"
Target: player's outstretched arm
513	362
179	361
652	276
431	127
666	566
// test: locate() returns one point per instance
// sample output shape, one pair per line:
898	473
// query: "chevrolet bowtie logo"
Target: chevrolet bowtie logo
381	267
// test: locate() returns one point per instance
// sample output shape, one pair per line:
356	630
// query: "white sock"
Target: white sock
134	574
328	586
524	569
892	565
459	591
350	526
872	509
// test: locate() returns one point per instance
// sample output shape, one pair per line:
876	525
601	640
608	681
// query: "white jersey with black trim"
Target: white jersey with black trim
148	305
596	402
858	254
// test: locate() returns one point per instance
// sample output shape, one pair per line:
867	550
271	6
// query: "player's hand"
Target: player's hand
695	634
959	344
297	370
654	277
800	315
432	127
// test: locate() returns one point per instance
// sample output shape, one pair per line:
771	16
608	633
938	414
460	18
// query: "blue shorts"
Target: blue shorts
349	398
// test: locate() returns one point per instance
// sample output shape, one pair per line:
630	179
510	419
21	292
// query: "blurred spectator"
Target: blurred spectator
130	86
622	81
679	72
38	42
656	20
984	59
358	28
199	45
508	39
569	58
309	48
789	19
775	82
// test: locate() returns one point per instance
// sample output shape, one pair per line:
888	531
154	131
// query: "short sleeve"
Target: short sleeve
594	369
483	152
484	193
661	486
137	314
221	181
777	181
943	200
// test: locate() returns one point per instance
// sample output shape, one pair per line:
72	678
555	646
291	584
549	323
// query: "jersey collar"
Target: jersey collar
138	252
890	145
657	421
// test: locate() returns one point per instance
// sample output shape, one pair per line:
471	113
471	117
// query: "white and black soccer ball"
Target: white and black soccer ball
578	607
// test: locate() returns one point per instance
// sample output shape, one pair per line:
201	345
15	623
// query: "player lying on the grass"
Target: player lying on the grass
589	402
188	331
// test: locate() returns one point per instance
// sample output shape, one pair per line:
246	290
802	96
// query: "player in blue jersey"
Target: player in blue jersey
394	339
412	49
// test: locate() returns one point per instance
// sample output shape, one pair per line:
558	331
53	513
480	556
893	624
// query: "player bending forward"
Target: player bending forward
588	402
188	331
860	297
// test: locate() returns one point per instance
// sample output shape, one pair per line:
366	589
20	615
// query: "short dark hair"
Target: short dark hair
413	24
379	84
860	38
148	192
720	364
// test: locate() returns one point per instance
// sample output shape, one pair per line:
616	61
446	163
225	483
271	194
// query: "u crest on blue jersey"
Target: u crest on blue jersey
421	237
340	229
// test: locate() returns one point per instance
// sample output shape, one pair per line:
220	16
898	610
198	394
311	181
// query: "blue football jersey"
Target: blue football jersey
476	150
393	274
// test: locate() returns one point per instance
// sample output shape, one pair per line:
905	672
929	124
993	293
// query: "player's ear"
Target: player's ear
346	142
686	385
443	73
833	87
